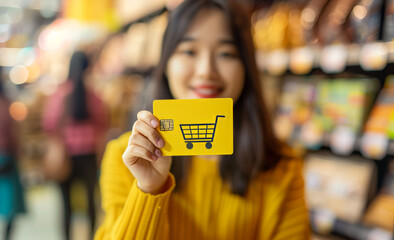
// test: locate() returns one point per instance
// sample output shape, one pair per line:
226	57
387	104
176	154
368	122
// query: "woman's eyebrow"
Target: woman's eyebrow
227	41
224	41
187	39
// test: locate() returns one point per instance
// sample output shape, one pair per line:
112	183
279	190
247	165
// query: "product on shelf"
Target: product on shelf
381	211
365	21
279	27
341	107
337	190
338	187
316	111
309	18
333	58
295	107
379	130
374	56
301	60
332	25
324	223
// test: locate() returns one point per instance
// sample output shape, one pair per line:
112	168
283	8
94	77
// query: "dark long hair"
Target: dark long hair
77	100
255	147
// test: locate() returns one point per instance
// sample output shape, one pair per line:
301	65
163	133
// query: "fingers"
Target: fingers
144	125
145	141
138	139
135	152
148	118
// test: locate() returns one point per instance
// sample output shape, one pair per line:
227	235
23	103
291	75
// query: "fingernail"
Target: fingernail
158	153
160	143
154	158
154	123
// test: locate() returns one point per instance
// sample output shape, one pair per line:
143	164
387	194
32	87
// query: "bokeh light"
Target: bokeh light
34	72
26	56
18	111
4	32
360	12
19	74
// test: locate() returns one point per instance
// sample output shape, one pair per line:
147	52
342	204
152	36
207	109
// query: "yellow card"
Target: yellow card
195	126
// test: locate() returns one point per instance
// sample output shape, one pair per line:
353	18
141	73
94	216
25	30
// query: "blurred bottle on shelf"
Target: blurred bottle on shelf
381	210
332	25
379	128
365	21
309	19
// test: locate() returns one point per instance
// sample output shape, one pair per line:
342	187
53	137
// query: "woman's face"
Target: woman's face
206	63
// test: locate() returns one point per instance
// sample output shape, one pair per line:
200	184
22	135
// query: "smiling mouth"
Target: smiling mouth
205	91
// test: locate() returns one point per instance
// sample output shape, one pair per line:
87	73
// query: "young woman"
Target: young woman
79	116
256	193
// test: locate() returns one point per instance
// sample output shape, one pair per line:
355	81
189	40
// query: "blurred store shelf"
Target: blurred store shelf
330	59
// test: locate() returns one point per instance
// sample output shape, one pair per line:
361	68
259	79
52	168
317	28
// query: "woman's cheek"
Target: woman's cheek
233	72
179	66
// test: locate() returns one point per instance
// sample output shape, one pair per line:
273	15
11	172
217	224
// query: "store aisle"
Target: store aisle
44	217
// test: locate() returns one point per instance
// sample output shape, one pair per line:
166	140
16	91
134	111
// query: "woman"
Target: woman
256	193
78	115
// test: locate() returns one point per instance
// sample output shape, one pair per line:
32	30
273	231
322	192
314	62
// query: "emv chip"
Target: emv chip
166	125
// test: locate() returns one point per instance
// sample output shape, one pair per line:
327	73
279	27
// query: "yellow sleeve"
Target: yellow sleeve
294	221
285	214
129	212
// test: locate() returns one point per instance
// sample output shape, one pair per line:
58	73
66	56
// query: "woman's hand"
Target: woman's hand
143	156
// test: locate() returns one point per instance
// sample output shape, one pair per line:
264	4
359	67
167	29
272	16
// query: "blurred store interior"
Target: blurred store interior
327	70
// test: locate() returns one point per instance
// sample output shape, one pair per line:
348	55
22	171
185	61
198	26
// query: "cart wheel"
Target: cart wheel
208	145
189	145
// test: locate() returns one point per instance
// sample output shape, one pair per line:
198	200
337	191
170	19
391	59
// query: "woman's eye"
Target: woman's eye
188	52
228	55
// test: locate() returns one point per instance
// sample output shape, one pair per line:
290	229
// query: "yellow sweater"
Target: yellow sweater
273	208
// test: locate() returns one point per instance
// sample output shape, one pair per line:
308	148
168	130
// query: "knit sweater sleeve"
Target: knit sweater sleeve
294	223
129	212
286	215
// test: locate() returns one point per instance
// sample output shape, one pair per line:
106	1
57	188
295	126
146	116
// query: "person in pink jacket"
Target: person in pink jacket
79	116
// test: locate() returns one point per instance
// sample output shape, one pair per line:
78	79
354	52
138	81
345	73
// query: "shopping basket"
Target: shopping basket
200	132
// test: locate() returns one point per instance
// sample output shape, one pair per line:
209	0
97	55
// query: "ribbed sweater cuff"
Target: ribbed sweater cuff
167	188
147	211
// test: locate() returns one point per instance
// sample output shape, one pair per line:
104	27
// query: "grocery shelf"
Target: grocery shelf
330	59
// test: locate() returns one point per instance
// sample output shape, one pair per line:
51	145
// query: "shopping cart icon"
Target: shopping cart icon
200	132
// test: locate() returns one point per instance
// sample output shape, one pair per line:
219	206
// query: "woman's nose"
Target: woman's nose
206	67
